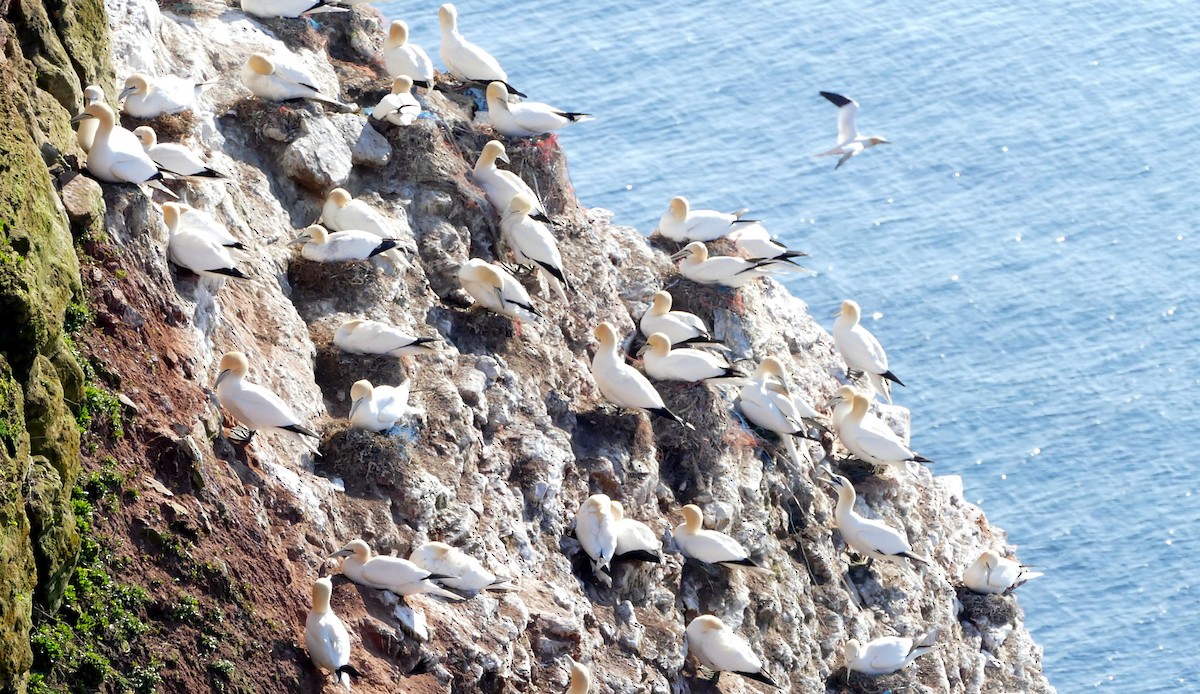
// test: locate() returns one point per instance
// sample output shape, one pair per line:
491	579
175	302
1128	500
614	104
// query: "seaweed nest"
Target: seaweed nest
987	609
358	284
368	461
336	371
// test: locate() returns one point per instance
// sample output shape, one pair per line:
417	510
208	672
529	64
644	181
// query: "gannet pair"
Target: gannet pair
378	408
861	351
115	155
250	404
869	439
532	243
150	97
458	570
709	546
719	649
399	107
290	8
343	213
361	336
196	246
399	576
174	158
325	636
992	574
867	536
276	80
465	60
622	384
662	363
728	271
884	655
322	246
605	534
850	142
680	327
526	118
404	59
492	287
768	403
502	186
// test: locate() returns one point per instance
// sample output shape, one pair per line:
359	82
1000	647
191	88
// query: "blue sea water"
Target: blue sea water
1024	250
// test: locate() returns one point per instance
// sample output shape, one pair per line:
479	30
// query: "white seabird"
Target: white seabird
867	536
192	247
500	185
622	384
532	243
681	327
861	351
250	404
325	636
768	403
274	80
290	8
596	530
581	679
404	59
151	97
728	271
463	571
361	336
116	155
754	241
496	290
992	573
203	223
87	128
463	59
662	363
399	107
635	540
525	118
850	142
681	223
341	212
710	546
873	443
174	158
340	246
884	655
378	408
719	649
399	576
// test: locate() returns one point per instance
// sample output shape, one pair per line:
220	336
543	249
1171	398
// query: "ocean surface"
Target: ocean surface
1024	250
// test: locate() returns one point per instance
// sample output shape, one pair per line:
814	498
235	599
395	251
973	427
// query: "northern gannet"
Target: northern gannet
768	403
662	363
681	223
525	118
635	540
361	336
992	573
622	384
850	142
325	636
87	128
462	571
399	107
174	158
728	271
340	246
496	290
463	59
116	155
394	574
872	442
341	212
681	327
378	408
290	8
596	530
193	247
250	404
150	97
870	538
532	243
754	241
500	185
200	221
581	679
884	655
274	80
719	649
861	351
710	546
404	59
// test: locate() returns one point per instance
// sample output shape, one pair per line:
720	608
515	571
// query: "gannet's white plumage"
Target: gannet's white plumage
462	58
872	442
203	223
116	155
681	223
87	128
340	246
860	350
867	536
635	539
596	530
696	265
680	327
360	336
532	243
992	573
496	290
192	247
850	142
581	679
325	636
622	384
525	118
662	363
289	8
709	546
754	241
275	80
717	648
768	403
500	185
341	212
150	97
462	571
404	59
174	158
394	574
884	655
399	107
378	408
250	404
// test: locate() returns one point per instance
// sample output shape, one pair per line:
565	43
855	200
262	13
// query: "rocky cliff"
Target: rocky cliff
177	560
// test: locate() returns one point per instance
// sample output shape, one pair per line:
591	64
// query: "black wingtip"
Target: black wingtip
387	245
298	429
640	555
236	244
513	90
704	339
231	272
759	677
667	414
555	272
746	561
573	116
892	377
541	217
433	576
349	670
837	99
423	341
423	84
921	459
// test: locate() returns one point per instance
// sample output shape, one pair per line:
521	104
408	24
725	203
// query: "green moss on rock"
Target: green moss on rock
18	574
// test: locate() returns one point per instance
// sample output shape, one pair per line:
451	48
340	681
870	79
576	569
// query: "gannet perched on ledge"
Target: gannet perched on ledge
754	241
991	574
461	571
151	97
463	59
860	350
87	128
274	80
596	530
717	648
710	546
525	118
360	336
496	290
581	679
884	655
635	540
325	636
394	574
872	442
622	384
289	8
340	246
174	158
500	185
195	248
870	538
378	408
681	223
850	142
116	156
399	107
250	404
404	59
662	363
532	243
681	327
728	271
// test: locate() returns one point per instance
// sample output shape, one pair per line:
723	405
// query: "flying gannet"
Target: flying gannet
290	8
150	97
681	327
116	156
326	637
361	336
461	570
635	540
884	655
662	363
463	59
399	576
872	442
850	142
500	185
681	223
341	246
378	408
399	107
596	530
622	384
525	118
250	404
404	59
710	546
754	241
174	158
274	80
496	290
728	271
532	243
870	538
719	649
87	128
991	574
192	247
861	351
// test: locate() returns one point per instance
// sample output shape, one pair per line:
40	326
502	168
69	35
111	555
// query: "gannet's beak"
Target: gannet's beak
302	238
681	255
221	377
340	553
354	407
82	116
643	349
126	92
503	156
